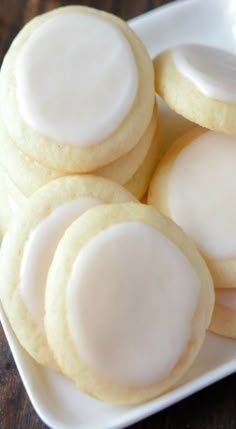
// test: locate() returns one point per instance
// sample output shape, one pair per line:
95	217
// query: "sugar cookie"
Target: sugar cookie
114	290
30	175
29	245
199	83
195	185
69	120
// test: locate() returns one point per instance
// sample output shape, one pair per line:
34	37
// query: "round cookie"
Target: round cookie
194	185
198	82
57	124
29	246
139	183
30	175
92	326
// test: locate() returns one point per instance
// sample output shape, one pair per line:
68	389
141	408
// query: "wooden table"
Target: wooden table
213	408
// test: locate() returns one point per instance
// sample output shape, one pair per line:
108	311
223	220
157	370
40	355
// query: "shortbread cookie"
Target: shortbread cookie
199	83
114	303
139	183
195	185
77	89
224	315
30	175
28	248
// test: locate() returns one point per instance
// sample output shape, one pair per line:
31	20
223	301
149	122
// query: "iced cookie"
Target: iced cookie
77	87
29	245
195	185
139	183
115	314
30	175
199	83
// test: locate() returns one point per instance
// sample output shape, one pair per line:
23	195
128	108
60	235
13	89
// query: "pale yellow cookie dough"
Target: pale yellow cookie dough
68	357
139	183
32	213
30	175
186	99
69	157
124	168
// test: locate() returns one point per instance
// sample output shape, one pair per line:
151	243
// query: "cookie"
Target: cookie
29	245
114	290
30	175
198	82
94	97
195	185
139	183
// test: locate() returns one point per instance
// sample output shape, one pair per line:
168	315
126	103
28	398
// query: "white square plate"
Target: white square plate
55	398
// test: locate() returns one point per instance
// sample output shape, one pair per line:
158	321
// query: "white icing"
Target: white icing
127	315
226	297
39	250
212	70
202	193
68	75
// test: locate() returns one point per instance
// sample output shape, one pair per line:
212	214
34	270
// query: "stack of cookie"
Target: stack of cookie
98	278
77	96
96	289
195	183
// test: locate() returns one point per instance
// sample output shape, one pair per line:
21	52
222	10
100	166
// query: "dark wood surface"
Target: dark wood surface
213	408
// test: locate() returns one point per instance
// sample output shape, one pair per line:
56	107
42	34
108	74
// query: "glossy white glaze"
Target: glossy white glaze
68	74
212	70
131	301
39	251
202	193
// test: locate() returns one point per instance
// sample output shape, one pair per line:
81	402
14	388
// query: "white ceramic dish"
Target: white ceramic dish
54	398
